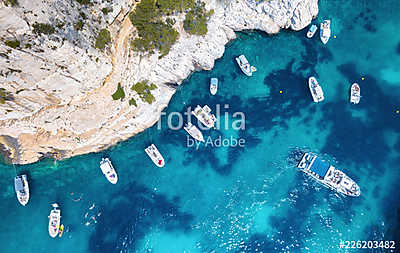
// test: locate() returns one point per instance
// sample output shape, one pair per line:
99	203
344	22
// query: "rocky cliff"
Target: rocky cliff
59	85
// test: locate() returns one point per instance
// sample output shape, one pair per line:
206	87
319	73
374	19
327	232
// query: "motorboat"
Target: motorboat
21	187
325	31
245	66
355	93
194	132
108	170
155	155
312	31
315	89
54	220
328	175
204	115
213	86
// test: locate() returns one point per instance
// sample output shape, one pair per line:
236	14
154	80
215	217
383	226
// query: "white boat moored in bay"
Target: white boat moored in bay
21	187
155	155
193	131
325	31
213	86
328	175
108	170
205	116
315	89
54	220
355	93
312	31
245	66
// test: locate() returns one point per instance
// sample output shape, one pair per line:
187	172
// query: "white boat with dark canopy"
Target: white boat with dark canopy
194	132
325	31
155	155
213	86
204	115
312	31
21	187
244	65
54	220
108	170
355	93
328	175
315	89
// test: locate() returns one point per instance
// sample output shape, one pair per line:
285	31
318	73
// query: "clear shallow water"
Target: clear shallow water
243	199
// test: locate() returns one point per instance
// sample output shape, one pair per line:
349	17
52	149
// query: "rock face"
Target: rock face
61	85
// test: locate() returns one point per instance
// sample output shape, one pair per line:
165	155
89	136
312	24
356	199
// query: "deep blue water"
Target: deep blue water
252	198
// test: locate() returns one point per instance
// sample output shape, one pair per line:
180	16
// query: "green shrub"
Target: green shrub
40	28
84	2
132	101
4	95
11	3
79	25
103	38
196	20
119	93
13	43
106	10
143	89
28	46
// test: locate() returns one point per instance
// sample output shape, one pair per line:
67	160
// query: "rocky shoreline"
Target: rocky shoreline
61	78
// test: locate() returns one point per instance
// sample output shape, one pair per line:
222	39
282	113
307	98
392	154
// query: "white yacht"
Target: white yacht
194	132
245	65
108	170
22	189
155	155
213	86
325	31
54	220
355	93
204	115
328	175
312	31
315	89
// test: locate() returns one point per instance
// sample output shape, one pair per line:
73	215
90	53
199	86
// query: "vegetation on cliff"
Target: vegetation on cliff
119	93
196	19
144	89
155	26
4	95
103	38
44	28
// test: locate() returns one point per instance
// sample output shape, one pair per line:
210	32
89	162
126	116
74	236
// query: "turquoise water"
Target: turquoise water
252	198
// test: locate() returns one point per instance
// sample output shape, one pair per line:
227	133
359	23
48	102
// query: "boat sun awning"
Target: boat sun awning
18	184
319	167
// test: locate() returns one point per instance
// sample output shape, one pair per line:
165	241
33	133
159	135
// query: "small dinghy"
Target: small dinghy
213	86
22	189
54	221
325	31
355	93
312	31
155	155
194	132
108	170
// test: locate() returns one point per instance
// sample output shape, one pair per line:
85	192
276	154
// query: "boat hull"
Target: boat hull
312	31
213	86
355	93
54	222
316	93
155	155
23	195
108	170
196	133
241	66
325	31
